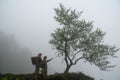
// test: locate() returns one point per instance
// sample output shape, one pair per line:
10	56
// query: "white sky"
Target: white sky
32	22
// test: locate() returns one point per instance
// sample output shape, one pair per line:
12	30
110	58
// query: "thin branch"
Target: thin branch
75	54
77	60
66	61
71	61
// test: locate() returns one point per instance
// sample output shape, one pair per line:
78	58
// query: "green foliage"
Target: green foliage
8	76
76	39
60	76
5	78
70	76
15	77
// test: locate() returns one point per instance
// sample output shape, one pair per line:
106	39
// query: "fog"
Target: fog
13	58
26	25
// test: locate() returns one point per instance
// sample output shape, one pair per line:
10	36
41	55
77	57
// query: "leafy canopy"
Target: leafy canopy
76	39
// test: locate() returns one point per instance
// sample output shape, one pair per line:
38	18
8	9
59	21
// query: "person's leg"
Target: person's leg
43	74
36	73
35	69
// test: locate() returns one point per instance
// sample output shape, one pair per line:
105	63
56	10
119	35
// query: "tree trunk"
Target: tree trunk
67	69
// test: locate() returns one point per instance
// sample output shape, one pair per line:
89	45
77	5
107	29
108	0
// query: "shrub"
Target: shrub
57	76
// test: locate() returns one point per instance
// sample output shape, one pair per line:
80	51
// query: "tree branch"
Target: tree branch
66	61
75	54
77	60
71	61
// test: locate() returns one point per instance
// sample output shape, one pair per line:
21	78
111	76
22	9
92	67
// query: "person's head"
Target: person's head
40	54
45	57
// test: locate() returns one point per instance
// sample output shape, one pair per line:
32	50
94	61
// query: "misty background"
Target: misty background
26	25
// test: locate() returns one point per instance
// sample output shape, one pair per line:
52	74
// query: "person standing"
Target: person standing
44	66
38	65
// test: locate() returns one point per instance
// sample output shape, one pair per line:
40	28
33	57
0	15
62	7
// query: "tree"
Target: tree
76	39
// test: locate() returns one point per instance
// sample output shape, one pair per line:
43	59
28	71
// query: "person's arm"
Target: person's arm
49	59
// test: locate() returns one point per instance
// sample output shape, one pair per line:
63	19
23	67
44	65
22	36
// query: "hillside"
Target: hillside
57	76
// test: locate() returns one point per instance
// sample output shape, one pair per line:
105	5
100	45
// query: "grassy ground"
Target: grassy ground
57	76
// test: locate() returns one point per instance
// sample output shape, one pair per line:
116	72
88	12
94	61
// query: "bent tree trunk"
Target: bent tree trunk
67	69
